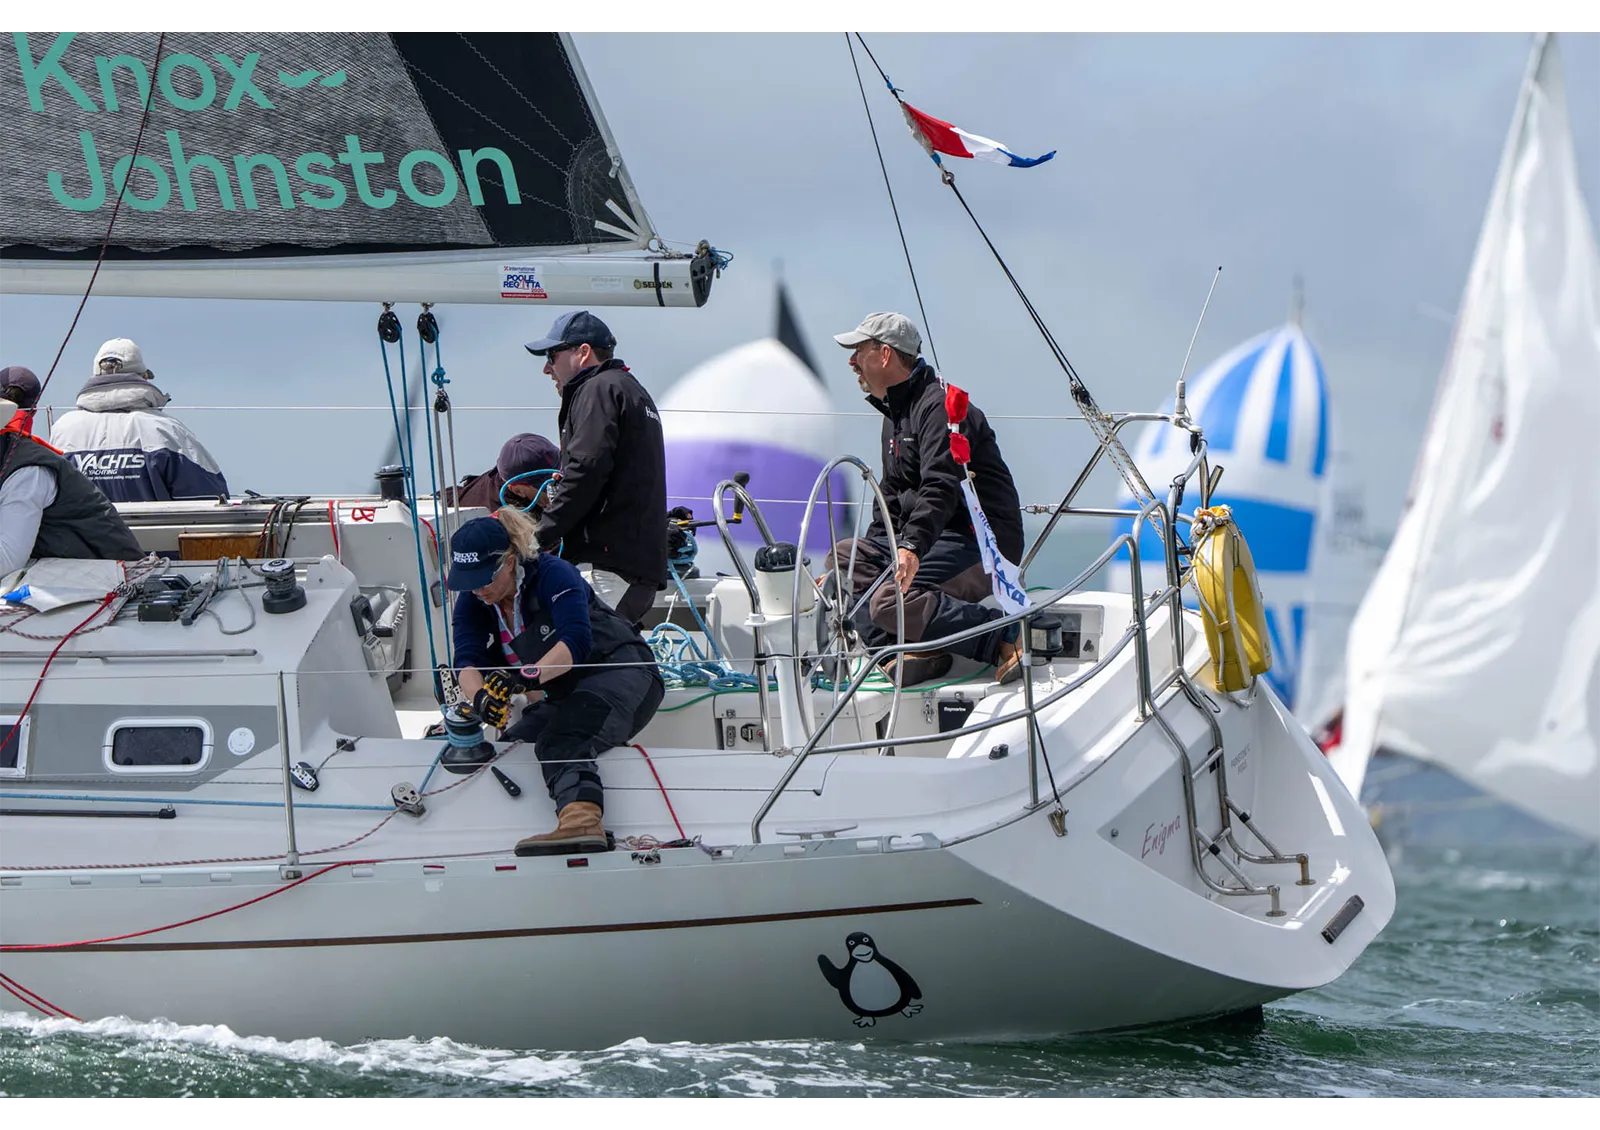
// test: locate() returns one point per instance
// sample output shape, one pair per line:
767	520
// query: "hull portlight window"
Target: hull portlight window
157	745
13	746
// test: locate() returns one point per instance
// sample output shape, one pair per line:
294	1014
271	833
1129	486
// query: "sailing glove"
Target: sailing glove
493	702
491	710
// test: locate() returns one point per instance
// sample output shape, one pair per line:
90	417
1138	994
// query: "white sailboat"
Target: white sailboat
1477	648
216	817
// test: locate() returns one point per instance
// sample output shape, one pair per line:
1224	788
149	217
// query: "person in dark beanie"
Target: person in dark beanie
49	509
516	472
19	385
608	511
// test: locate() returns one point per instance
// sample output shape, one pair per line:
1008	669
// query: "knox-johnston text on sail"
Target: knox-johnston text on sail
178	178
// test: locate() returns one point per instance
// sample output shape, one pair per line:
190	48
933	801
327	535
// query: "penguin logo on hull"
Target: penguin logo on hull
869	984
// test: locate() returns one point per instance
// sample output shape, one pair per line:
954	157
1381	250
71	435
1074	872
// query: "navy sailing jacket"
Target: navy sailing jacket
610	507
128	447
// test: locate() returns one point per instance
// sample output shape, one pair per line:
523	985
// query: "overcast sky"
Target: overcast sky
1362	163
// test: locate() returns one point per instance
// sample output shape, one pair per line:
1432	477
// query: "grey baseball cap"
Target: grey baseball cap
893	330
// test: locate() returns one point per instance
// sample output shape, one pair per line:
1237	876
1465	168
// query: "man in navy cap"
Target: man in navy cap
608	511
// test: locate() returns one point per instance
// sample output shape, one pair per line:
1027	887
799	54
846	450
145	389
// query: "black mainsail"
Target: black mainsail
433	166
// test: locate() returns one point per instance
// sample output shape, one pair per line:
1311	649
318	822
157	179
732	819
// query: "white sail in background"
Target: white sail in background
1478	646
1346	558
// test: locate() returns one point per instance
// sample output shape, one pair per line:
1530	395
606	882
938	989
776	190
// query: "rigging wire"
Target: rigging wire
1098	421
904	246
144	120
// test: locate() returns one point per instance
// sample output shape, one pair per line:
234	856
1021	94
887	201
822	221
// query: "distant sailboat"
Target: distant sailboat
1264	408
1477	648
762	408
1347	556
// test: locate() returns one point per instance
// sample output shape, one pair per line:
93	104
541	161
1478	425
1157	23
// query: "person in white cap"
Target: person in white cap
122	440
938	567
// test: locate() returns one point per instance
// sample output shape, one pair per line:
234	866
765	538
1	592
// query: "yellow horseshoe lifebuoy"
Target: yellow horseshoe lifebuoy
1230	601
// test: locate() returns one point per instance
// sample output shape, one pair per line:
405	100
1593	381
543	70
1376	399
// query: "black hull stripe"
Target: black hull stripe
492	935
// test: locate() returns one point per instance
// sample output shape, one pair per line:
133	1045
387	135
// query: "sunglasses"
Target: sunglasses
556	350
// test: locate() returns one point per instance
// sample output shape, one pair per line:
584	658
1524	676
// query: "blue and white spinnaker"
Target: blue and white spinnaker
1264	409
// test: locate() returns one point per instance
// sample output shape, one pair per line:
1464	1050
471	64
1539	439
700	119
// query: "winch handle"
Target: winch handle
741	479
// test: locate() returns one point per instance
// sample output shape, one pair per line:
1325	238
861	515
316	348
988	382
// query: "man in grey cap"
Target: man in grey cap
939	568
608	512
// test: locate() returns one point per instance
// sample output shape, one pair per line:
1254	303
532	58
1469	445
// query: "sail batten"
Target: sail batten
1477	647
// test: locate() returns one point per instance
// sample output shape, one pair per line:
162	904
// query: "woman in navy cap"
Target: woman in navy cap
526	617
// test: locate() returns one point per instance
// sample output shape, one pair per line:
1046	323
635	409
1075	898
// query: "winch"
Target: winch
283	594
467	749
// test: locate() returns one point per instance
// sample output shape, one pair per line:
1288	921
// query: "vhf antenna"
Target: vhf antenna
1180	407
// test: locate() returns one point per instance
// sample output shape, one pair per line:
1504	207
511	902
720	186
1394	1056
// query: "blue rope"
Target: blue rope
695	612
440	549
698	671
402	442
550	475
432	767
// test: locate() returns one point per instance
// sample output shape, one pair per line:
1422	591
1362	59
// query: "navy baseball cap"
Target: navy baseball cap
475	553
577	328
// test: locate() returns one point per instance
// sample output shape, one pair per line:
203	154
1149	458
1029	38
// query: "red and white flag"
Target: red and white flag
942	137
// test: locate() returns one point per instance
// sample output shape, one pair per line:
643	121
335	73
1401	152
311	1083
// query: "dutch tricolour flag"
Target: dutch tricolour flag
942	137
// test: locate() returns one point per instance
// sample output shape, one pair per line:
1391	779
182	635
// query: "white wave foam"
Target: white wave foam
1501	881
437	1057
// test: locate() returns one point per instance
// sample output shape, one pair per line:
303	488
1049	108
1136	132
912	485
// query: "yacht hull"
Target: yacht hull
1025	925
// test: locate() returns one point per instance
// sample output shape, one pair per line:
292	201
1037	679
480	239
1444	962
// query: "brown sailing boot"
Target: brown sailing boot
578	832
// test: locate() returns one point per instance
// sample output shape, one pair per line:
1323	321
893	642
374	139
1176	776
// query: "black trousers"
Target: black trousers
943	598
607	708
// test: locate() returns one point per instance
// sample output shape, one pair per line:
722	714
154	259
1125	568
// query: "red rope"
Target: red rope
17	725
333	528
37	1003
187	921
431	534
663	789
